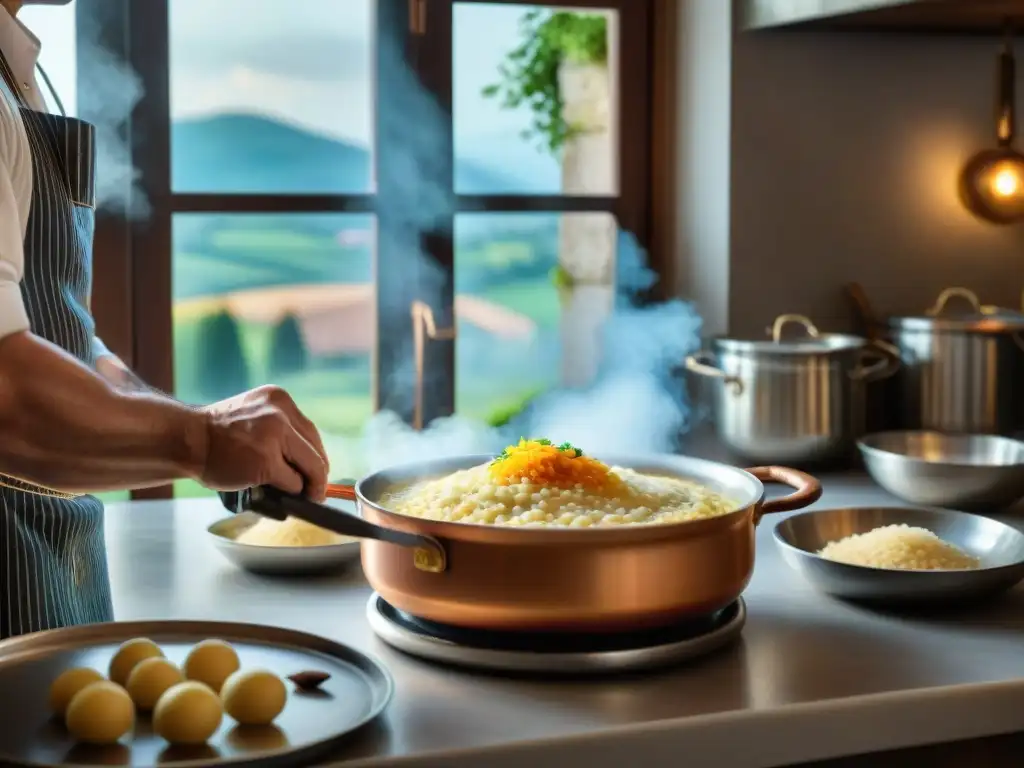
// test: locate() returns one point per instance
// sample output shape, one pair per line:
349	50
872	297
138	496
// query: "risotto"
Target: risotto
900	547
536	483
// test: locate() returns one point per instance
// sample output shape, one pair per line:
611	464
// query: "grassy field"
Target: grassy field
339	399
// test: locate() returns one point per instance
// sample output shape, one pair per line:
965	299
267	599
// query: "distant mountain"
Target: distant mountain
219	252
253	154
525	168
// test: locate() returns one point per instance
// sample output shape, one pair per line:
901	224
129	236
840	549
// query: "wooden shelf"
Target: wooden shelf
957	17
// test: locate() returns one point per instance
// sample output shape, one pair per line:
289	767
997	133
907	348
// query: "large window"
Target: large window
537	140
330	185
283	106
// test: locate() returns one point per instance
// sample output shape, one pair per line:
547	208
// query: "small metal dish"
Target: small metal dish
998	546
937	469
277	561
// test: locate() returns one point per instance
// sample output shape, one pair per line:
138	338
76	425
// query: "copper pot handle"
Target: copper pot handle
345	490
428	553
808	489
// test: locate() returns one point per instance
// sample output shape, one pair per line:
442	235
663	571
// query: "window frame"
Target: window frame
132	297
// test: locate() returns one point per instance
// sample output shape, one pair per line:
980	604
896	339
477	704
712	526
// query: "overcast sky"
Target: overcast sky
309	67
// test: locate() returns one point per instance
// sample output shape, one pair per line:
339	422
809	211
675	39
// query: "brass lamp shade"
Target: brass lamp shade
992	182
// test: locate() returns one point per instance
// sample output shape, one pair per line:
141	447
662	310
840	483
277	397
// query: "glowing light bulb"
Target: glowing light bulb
992	185
1006	182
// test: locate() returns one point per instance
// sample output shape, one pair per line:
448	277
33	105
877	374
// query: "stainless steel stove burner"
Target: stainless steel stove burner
554	652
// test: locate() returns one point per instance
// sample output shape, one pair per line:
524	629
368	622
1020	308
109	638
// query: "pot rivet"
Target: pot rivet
427	560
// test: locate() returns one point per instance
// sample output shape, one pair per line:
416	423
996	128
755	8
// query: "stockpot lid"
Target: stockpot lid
967	314
808	341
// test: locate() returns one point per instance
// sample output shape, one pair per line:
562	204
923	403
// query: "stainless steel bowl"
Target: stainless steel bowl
278	561
998	546
937	469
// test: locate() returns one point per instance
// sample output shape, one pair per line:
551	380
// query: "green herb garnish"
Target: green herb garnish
564	448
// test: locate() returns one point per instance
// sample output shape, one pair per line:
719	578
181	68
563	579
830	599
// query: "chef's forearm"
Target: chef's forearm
115	372
64	427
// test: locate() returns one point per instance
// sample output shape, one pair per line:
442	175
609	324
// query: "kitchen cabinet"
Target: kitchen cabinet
958	17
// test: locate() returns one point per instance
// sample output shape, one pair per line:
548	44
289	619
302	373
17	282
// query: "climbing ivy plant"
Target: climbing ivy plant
529	73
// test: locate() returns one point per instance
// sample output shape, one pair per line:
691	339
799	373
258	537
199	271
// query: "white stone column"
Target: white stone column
587	241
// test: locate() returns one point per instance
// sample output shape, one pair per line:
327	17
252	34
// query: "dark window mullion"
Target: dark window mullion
635	95
149	48
537	203
201	202
188	202
403	132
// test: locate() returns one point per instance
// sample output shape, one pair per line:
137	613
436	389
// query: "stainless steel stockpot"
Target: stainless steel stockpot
963	367
797	400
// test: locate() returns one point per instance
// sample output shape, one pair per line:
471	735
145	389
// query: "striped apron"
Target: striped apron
53	561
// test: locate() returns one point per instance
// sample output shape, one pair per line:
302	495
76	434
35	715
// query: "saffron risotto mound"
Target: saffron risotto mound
899	547
536	483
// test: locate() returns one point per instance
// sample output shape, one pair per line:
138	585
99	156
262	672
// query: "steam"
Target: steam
114	90
419	202
636	402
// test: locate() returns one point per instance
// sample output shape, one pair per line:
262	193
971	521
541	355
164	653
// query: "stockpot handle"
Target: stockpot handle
783	320
890	362
428	553
954	293
807	489
703	364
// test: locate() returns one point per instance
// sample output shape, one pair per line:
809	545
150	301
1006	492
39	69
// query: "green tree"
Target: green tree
288	353
223	370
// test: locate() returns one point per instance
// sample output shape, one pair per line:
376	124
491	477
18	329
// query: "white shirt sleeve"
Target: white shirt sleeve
15	187
99	349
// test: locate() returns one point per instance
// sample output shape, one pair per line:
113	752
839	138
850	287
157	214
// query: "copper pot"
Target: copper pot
624	577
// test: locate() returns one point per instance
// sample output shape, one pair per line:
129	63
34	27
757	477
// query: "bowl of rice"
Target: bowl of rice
289	547
902	554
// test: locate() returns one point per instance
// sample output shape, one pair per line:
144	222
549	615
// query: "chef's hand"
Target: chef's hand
262	438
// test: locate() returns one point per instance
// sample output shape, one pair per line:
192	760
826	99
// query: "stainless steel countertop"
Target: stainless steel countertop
812	678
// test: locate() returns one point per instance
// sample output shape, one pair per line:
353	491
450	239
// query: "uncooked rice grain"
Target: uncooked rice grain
899	547
290	532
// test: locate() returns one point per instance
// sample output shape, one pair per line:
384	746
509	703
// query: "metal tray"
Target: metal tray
312	723
278	561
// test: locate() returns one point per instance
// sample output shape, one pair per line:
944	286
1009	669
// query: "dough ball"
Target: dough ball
100	713
70	682
187	713
211	662
150	678
254	696
128	655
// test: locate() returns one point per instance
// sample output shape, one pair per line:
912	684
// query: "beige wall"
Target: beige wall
842	160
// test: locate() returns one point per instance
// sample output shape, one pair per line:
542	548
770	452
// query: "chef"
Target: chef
72	416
